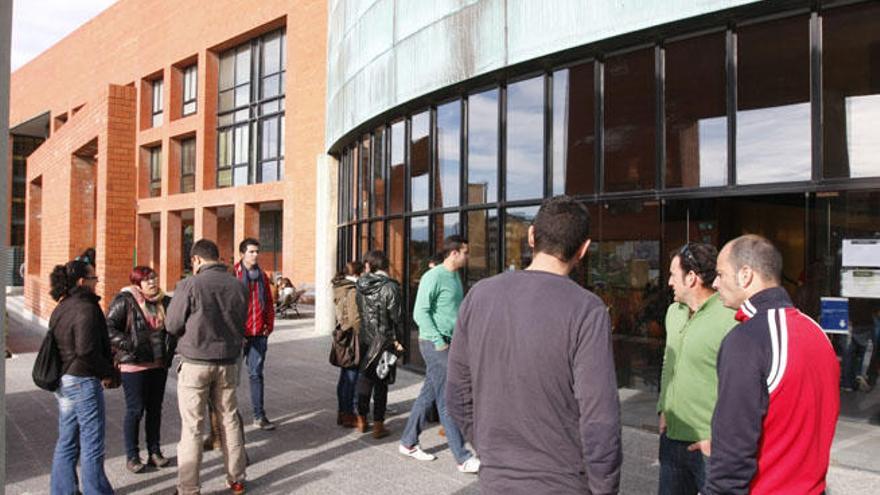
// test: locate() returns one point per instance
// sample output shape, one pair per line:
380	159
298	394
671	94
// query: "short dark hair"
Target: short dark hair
759	254
699	258
450	244
249	241
63	279
377	260
205	249
562	225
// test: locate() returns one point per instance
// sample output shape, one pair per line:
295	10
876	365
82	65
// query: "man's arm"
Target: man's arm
423	310
178	309
459	388
268	306
595	389
739	414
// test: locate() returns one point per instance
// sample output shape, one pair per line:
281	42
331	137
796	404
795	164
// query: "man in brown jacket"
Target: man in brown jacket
207	314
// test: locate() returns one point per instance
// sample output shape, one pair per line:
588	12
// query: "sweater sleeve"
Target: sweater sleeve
459	388
423	309
739	414
595	389
179	309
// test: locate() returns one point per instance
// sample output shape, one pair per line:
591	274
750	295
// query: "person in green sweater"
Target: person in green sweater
696	323
435	312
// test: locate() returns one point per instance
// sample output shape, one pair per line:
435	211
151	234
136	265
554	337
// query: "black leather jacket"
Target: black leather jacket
379	305
132	339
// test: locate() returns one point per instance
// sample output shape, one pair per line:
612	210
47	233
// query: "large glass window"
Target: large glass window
188	165
445	226
447	180
190	89
158	102
630	142
773	102
420	160
517	253
377	235
251	104
483	244
696	112
155	158
395	248
574	135
525	140
397	172
366	176
482	161
851	91
379	172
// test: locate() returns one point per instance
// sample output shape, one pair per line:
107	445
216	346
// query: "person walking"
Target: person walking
379	305
531	380
435	312
778	376
87	365
259	324
143	349
347	320
207	315
696	323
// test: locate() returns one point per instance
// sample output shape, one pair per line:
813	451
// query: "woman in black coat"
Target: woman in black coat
136	321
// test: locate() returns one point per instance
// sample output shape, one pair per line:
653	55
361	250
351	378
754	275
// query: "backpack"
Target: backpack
48	367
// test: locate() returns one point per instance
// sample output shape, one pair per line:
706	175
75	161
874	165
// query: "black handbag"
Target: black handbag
344	348
48	367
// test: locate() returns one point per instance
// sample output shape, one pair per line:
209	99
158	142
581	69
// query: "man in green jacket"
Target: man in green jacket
435	312
696	323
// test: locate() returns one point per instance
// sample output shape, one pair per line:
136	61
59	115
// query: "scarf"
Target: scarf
255	274
151	307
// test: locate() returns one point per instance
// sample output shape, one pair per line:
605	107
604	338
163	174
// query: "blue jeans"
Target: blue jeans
80	436
681	472
144	392
434	390
345	390
255	355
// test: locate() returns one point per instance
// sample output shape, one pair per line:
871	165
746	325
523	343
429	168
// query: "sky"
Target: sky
39	24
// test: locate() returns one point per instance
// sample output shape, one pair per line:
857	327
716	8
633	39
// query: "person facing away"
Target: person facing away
531	380
435	312
347	319
778	378
379	307
696	323
87	365
260	323
207	315
143	349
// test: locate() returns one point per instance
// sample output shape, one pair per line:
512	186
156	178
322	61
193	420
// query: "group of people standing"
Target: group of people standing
216	319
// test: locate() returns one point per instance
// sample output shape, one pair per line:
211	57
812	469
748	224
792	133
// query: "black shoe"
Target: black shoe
264	424
157	460
134	465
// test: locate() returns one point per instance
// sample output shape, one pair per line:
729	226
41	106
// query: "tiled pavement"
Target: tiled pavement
307	453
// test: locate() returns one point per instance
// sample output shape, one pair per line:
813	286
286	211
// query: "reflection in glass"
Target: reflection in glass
696	112
630	122
574	134
773	115
395	249
355	181
517	253
379	172
447	184
364	229
366	177
377	235
525	139
419	255
482	236
851	91
445	226
397	174
420	160
482	161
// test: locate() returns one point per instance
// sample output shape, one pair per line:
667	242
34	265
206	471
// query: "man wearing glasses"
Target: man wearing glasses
696	323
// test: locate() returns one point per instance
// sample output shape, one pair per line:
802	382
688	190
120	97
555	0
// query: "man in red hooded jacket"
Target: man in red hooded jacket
259	324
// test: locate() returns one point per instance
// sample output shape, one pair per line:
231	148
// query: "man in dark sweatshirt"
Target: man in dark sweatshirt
531	379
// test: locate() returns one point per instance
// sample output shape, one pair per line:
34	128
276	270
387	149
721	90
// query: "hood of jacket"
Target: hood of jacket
371	283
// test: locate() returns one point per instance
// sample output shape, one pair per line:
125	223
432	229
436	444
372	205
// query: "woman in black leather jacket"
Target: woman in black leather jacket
143	349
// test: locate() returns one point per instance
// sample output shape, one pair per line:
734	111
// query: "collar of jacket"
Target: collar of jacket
81	293
215	265
774	297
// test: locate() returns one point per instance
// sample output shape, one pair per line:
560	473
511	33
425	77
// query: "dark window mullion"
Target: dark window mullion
599	124
548	135
463	155
660	105
816	109
731	106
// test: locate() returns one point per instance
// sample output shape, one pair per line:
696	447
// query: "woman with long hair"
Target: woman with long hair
347	319
136	321
87	364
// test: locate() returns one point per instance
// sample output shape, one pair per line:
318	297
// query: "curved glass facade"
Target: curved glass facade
765	127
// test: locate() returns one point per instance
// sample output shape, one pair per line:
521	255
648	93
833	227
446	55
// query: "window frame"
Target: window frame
189	104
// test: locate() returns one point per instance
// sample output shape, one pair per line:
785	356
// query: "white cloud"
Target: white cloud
37	25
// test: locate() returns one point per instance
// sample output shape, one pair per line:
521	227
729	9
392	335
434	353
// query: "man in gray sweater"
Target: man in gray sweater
207	314
531	379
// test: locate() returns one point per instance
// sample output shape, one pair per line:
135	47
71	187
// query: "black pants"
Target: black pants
144	391
368	385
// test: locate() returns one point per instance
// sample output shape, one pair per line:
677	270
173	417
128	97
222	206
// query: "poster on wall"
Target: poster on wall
863	253
863	283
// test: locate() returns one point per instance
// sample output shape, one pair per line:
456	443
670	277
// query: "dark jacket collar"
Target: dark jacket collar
213	266
78	293
774	297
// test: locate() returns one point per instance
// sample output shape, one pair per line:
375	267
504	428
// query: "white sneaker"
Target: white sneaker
416	453
470	466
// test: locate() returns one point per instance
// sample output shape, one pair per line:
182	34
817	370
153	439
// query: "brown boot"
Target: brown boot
360	423
379	430
348	420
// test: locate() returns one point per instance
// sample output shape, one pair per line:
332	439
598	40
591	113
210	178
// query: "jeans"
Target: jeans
80	436
255	355
144	392
434	390
681	472
196	383
345	389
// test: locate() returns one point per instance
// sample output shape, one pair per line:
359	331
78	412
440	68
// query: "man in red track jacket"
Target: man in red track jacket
778	378
260	323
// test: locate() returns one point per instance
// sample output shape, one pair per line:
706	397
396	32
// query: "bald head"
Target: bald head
746	266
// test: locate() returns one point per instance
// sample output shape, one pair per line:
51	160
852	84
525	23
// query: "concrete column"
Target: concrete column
170	257
5	164
325	242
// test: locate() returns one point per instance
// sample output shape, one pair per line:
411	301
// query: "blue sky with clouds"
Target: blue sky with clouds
39	24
